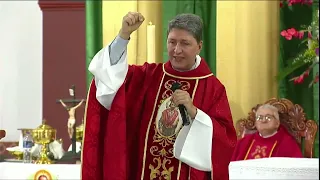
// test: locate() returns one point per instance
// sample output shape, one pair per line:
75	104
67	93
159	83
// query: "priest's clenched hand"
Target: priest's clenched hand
130	23
183	98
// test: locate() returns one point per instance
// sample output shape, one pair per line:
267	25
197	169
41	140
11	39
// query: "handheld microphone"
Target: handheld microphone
182	108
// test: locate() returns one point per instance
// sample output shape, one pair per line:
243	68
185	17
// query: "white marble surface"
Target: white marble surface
9	170
275	168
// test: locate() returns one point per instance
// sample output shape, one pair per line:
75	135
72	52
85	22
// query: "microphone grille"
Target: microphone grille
175	86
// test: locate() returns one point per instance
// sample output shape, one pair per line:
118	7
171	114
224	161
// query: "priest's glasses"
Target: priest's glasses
266	117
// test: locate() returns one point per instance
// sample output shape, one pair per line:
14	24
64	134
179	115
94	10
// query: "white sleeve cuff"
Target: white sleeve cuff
194	143
108	78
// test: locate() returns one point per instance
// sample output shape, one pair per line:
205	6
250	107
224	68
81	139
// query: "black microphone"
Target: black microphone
182	108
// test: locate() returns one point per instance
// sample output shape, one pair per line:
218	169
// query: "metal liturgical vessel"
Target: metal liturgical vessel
44	135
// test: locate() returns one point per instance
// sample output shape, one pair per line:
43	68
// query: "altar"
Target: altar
11	170
275	168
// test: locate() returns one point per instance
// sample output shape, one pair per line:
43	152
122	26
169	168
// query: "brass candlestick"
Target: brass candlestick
44	135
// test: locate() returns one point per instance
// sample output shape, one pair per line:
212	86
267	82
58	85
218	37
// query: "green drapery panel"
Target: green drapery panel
316	108
300	94
207	11
316	92
93	32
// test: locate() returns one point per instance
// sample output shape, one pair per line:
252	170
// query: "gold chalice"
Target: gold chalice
17	154
44	135
79	133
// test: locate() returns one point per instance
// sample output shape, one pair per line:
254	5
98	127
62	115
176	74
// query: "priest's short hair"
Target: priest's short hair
272	108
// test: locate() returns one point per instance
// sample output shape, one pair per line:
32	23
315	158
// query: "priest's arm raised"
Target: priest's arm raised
109	67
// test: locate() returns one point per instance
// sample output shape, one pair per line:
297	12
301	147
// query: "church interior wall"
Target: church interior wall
20	67
63	62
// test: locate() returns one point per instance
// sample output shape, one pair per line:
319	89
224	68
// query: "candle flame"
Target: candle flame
151	43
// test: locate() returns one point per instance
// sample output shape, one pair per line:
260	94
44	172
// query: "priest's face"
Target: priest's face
182	49
266	122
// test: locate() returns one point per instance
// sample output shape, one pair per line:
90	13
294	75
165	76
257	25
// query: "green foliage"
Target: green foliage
307	56
289	69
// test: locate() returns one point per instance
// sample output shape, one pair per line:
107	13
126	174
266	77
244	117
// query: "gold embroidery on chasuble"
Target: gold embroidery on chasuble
257	151
159	161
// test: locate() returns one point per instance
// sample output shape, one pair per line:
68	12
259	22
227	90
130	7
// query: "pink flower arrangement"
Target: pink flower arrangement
311	54
292	2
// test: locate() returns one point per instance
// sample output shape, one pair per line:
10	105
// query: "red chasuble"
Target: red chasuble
253	146
134	140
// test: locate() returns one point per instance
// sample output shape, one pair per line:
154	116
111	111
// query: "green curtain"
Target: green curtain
207	11
93	33
301	94
316	108
316	93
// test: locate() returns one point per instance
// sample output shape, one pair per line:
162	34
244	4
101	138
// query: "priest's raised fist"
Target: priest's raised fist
130	23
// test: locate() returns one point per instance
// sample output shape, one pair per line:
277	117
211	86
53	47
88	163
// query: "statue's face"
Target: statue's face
182	49
266	123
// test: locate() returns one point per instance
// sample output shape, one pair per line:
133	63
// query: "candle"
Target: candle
151	43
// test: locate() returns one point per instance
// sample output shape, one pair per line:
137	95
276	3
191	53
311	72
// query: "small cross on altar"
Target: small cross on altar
72	115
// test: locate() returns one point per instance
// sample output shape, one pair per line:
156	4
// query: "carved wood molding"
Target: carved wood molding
58	5
292	117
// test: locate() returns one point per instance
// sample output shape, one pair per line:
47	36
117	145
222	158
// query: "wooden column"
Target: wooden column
63	60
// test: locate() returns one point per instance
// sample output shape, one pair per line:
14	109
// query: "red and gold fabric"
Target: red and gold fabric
253	146
135	138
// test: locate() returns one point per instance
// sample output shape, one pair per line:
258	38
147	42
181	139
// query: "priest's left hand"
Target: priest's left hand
183	98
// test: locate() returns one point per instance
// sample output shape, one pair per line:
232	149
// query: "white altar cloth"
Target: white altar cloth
275	168
9	170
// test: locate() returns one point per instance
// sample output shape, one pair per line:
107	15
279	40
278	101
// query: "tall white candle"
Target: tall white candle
151	43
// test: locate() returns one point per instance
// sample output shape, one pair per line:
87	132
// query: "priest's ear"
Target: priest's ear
278	123
200	43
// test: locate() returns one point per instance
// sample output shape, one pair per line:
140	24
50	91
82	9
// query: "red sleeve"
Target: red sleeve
236	152
224	135
98	121
105	141
91	146
242	147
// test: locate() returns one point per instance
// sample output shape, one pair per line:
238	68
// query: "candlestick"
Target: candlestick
151	44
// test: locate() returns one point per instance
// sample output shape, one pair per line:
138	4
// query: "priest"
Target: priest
157	121
271	139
